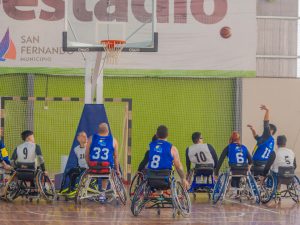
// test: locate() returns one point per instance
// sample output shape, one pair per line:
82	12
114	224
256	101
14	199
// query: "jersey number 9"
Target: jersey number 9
25	152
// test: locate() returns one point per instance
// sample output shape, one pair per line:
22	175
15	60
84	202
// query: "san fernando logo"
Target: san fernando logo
7	48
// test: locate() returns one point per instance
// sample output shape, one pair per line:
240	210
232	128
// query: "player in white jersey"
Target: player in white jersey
75	172
285	157
26	154
200	153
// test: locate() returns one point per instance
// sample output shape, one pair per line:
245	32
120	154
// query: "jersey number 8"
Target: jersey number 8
155	162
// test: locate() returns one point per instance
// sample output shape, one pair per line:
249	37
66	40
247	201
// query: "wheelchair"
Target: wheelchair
285	176
247	185
135	183
160	190
90	188
4	177
29	183
202	179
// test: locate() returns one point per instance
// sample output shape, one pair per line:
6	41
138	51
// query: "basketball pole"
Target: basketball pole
94	67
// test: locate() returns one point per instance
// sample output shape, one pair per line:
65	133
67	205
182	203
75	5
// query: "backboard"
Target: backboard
87	22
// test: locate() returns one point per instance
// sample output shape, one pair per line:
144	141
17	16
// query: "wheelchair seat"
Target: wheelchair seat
286	174
26	171
258	168
239	169
204	169
159	179
102	168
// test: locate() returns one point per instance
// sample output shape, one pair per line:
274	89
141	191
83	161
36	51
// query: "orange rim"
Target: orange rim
112	43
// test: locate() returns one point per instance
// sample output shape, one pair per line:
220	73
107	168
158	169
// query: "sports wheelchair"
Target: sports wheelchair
159	189
247	187
4	177
90	188
201	179
285	176
29	183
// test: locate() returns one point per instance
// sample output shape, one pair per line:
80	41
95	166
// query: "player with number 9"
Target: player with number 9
236	154
25	155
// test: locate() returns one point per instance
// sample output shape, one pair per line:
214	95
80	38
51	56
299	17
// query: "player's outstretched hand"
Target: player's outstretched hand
46	173
264	107
250	126
7	167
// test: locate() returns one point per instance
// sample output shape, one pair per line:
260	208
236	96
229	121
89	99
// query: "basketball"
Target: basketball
225	32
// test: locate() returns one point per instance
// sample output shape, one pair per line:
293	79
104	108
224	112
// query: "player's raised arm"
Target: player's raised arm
179	167
116	156
252	130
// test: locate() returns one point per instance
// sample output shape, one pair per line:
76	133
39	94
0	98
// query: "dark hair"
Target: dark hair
196	136
154	138
281	140
162	132
273	128
25	134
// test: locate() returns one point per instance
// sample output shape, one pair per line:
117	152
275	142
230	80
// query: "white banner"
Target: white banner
193	35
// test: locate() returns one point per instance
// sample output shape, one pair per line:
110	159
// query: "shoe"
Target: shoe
64	191
72	193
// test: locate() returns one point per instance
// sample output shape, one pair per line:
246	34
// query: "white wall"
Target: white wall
282	96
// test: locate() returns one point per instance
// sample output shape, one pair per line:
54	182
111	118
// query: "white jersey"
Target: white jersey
284	158
80	153
200	154
26	153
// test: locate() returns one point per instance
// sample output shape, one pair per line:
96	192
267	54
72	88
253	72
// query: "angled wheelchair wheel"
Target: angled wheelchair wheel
46	187
81	191
295	189
12	188
181	198
254	189
190	179
267	189
119	186
219	189
136	181
140	198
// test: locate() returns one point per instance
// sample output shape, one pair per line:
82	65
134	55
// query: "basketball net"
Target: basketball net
113	49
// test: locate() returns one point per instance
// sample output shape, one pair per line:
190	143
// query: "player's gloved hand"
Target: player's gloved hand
185	183
46	173
7	167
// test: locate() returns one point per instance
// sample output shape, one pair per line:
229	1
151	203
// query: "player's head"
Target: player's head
162	132
103	129
281	141
154	138
235	138
273	129
196	137
82	138
27	135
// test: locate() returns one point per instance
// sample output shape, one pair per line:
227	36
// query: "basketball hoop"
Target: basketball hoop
113	49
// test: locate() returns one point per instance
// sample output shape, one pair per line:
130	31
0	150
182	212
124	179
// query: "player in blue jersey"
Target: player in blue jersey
263	153
103	147
237	154
163	155
4	158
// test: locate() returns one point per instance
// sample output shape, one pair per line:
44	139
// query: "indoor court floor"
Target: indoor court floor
61	213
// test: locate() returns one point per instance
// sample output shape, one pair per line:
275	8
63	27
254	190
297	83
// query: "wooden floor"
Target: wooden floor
62	213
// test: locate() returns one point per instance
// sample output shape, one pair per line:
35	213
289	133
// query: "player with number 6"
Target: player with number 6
237	154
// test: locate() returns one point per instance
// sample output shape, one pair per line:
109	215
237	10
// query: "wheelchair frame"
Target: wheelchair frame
200	187
248	187
135	183
270	184
147	197
88	191
43	187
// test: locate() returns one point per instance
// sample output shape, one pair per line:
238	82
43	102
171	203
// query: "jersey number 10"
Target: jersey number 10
200	157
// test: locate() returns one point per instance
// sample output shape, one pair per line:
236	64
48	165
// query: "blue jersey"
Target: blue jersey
160	156
4	153
102	149
237	154
263	151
